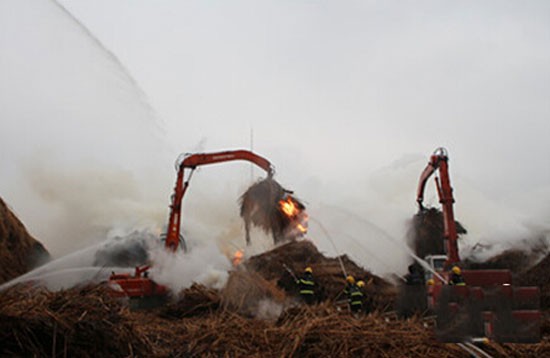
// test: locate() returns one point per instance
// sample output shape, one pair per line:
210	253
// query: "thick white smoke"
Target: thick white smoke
205	264
82	149
368	219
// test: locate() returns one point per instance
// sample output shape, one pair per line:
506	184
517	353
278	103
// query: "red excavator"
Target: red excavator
142	291
488	305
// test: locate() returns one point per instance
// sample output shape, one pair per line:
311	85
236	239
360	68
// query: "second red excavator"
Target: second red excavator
488	304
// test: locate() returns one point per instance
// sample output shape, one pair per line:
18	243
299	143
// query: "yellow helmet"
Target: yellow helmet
430	282
350	279
360	284
308	269
456	270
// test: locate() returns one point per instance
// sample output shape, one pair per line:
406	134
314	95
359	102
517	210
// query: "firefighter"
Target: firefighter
456	278
355	297
350	281
415	277
306	285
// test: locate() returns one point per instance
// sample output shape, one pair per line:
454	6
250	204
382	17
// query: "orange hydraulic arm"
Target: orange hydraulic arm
192	161
439	161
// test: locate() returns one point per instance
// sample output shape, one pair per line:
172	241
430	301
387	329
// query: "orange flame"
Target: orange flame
237	257
302	225
289	207
298	216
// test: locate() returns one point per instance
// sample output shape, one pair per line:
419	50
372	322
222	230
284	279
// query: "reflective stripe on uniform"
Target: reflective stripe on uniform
306	292
307	282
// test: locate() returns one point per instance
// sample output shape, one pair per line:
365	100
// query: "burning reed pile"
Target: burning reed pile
425	236
263	205
19	251
327	272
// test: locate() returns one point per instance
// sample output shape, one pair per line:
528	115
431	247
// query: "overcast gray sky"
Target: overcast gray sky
352	83
337	93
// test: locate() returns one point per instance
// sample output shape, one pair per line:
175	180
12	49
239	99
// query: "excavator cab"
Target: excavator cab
436	262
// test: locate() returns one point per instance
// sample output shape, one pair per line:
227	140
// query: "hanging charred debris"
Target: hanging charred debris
426	232
274	209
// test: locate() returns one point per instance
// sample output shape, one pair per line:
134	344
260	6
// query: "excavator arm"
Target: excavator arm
439	162
191	162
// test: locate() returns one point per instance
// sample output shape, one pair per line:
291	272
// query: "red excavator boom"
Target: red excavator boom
139	285
192	161
439	162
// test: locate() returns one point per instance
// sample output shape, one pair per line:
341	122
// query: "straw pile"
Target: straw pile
85	322
250	295
318	331
514	260
327	273
196	300
19	251
82	322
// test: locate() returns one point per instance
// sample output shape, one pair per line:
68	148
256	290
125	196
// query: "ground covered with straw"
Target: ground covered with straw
86	322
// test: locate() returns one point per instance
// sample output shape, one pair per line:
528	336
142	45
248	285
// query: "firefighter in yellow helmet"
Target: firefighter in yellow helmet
306	285
350	281
354	293
456	278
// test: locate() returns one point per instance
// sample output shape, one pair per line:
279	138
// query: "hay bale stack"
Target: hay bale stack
19	251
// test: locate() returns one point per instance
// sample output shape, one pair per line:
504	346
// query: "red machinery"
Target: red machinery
139	285
488	305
